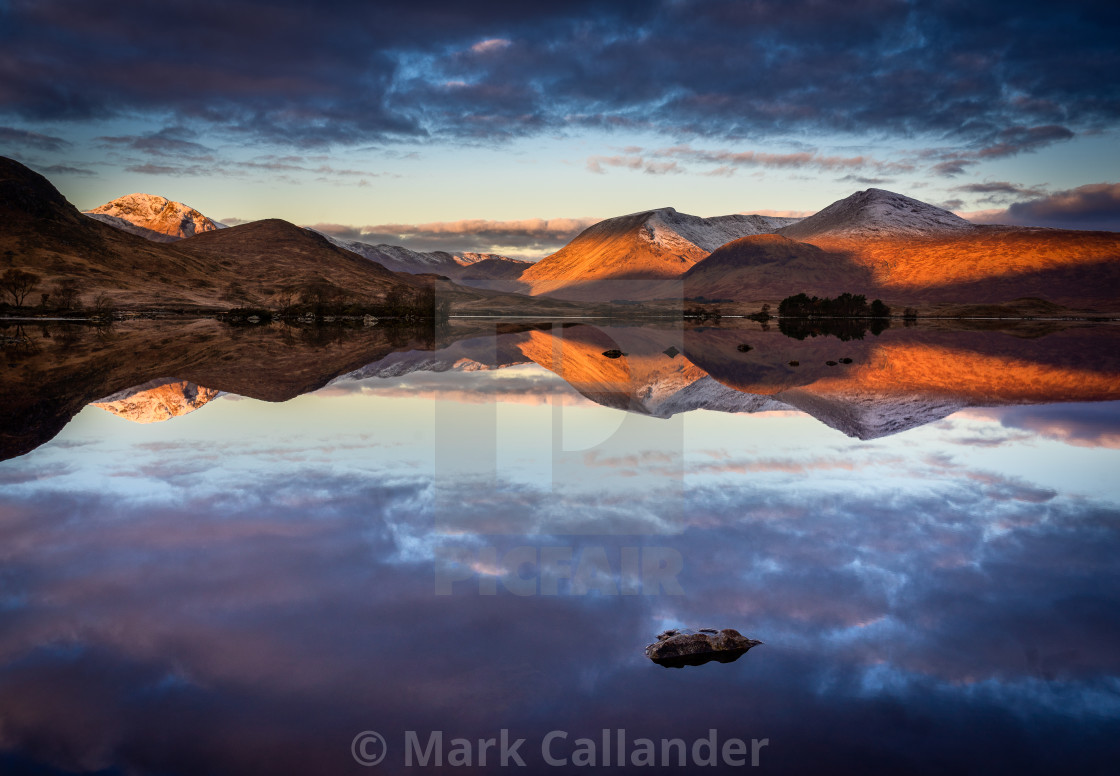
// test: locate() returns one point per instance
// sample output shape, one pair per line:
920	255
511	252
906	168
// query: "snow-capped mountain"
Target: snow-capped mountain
468	258
876	213
156	218
650	245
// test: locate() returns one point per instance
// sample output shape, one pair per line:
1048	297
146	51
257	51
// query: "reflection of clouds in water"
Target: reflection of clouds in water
263	600
320	609
1086	425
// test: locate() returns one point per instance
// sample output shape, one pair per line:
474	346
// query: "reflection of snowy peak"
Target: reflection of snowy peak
870	416
878	213
157	400
709	394
156	218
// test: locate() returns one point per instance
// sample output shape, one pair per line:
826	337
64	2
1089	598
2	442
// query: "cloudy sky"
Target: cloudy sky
512	125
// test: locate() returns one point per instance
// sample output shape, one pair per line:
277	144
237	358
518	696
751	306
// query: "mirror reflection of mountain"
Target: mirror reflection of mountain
867	387
157	400
53	370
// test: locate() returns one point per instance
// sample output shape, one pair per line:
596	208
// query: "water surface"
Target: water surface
232	552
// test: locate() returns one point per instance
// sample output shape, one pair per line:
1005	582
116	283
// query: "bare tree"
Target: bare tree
18	284
103	306
66	294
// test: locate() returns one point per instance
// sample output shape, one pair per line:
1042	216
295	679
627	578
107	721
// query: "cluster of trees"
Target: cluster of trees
65	294
844	329
320	299
844	306
703	313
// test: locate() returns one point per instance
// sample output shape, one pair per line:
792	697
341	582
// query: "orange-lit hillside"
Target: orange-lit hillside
991	263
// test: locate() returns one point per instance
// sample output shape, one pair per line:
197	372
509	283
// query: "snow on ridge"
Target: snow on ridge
399	258
150	215
673	231
878	213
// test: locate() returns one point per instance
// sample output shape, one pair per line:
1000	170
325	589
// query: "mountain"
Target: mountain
771	266
256	263
913	252
468	258
157	400
263	263
266	260
162	220
462	267
877	213
156	218
400	259
646	246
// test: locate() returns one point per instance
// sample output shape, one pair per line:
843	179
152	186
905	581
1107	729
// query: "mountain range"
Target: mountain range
874	242
162	220
637	248
261	263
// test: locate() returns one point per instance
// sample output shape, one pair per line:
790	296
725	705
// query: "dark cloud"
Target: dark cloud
169	169
63	169
26	139
952	167
1017	140
1000	188
1094	206
169	141
990	80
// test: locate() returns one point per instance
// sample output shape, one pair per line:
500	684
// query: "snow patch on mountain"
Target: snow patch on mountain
401	259
674	232
153	217
878	213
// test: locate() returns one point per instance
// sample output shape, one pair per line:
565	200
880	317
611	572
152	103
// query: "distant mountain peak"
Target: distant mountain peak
878	213
154	217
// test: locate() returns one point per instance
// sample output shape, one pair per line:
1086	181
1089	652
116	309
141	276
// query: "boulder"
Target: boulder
682	647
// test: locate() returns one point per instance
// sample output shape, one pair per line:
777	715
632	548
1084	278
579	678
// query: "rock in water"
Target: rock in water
682	647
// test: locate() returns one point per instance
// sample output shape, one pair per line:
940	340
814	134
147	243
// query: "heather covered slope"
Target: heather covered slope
42	233
917	252
267	263
772	267
268	258
647	246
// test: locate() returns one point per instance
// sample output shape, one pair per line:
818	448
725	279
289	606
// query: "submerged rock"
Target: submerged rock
681	647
